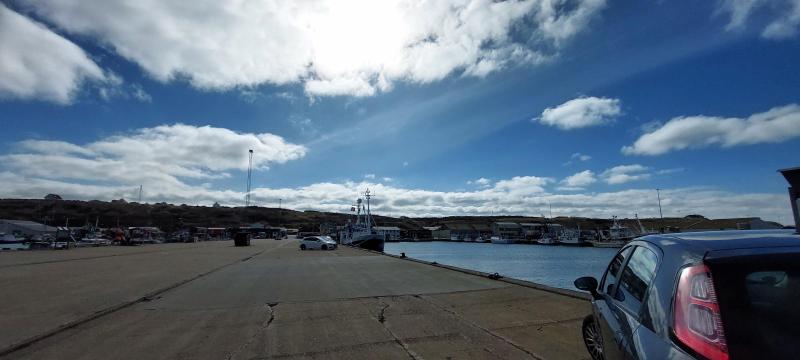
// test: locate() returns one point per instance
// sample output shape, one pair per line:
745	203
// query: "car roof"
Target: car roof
726	240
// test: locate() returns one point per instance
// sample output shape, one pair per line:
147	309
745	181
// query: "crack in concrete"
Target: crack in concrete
270	308
470	323
540	325
112	309
382	320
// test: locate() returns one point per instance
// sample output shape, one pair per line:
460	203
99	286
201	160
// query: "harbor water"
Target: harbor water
556	266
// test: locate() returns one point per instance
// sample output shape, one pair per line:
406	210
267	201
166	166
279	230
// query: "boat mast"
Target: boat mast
368	215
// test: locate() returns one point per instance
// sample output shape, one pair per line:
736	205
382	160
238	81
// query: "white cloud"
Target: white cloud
523	185
36	63
691	132
482	182
178	163
356	48
369	176
625	173
581	112
156	157
396	201
387	179
577	157
784	16
578	181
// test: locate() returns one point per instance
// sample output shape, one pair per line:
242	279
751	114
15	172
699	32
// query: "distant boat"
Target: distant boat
10	242
547	240
571	238
361	233
500	240
607	243
615	237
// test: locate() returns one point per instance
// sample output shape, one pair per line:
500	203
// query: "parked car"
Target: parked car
708	295
317	243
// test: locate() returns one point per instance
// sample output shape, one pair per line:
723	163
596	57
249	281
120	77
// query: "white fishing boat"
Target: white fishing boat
615	237
360	231
547	240
500	240
570	237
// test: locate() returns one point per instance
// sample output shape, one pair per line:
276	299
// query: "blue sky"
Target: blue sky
469	107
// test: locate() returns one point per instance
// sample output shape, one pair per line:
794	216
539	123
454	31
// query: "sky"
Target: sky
458	107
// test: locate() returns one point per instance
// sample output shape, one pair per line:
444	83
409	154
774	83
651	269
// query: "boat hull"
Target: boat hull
502	241
608	244
374	242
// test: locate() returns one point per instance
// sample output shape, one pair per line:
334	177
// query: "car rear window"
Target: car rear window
760	306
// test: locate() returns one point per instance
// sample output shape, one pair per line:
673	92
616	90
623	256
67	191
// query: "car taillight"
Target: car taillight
697	321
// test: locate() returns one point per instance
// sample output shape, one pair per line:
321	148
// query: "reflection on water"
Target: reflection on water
556	266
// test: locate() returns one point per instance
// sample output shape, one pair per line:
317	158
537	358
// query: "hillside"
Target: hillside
170	217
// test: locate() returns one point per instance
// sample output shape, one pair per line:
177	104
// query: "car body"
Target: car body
705	295
317	243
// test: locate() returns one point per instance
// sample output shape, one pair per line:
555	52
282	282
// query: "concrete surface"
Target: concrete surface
271	300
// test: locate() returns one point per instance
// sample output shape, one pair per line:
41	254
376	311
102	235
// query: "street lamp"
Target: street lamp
249	178
661	214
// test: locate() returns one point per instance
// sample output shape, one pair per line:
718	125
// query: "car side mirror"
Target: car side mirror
587	283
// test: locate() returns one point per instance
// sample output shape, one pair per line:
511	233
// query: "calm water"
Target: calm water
556	266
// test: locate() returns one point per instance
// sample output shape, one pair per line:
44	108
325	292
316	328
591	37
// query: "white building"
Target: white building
392	233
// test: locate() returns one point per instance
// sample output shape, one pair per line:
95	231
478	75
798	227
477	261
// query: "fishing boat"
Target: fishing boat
547	240
615	237
360	232
571	237
501	240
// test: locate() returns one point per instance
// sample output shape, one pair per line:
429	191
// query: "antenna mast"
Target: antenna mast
140	194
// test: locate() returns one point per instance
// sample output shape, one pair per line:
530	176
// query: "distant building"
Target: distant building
392	233
459	231
758	224
25	228
507	230
532	230
483	230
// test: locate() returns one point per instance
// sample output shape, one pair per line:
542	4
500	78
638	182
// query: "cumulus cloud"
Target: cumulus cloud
159	157
581	112
356	48
577	157
784	16
36	63
369	176
482	182
397	201
691	132
578	181
625	173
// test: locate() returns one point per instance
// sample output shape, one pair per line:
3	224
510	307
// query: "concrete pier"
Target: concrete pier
270	300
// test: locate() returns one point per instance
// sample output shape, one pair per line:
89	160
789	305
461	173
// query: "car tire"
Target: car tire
302	246
592	338
324	247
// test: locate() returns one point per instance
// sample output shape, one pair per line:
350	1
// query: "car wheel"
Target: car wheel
592	339
302	246
324	247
